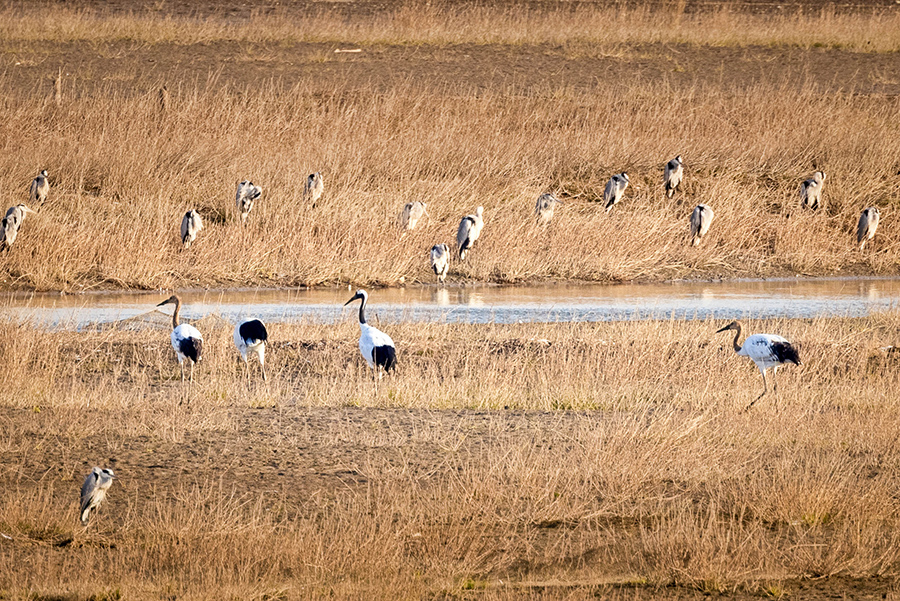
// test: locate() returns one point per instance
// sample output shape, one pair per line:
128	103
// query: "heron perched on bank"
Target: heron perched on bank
544	207
440	261
615	189
701	220
40	188
768	351
376	347
315	186
867	226
94	490
9	227
411	213
469	231
186	339
811	190
673	175
251	337
191	224
246	194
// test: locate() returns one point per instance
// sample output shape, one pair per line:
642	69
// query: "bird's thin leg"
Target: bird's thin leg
765	390
262	365
182	372
192	372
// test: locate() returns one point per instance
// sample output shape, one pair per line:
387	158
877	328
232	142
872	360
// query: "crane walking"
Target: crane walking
251	337
186	339
376	347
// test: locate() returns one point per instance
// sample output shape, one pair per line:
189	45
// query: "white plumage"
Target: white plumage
440	261
411	214
244	198
811	190
701	220
867	226
768	351
376	347
93	491
615	189
469	231
40	188
314	188
673	175
545	207
191	224
9	227
250	338
186	339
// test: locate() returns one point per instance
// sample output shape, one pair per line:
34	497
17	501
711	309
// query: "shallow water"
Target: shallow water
550	303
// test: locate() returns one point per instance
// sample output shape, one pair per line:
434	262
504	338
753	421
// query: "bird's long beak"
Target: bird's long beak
355	297
728	327
163	303
28	210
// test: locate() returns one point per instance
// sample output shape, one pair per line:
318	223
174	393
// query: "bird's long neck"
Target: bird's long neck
737	334
175	314
362	311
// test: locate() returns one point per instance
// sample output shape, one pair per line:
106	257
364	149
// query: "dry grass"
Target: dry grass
121	184
623	461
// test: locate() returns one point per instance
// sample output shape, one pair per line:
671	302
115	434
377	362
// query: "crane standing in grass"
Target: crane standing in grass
440	261
867	226
376	347
768	351
9	227
701	221
191	224
469	231
39	190
411	214
251	337
545	207
314	188
93	491
615	189
244	198
186	339
673	175
811	191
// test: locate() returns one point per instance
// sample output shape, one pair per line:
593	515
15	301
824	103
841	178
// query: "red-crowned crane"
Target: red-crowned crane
40	188
615	189
867	226
469	231
701	220
191	224
768	351
251	337
376	347
811	190
93	491
673	175
440	261
186	339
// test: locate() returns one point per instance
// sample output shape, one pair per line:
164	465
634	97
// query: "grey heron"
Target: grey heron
315	186
376	347
93	491
768	351
867	226
191	224
40	188
615	189
186	339
544	207
440	261
251	337
246	194
701	220
811	190
469	231
411	214
9	228
673	175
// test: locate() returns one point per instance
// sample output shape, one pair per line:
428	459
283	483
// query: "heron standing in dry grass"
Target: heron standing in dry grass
867	226
40	188
811	190
701	220
768	351
469	231
411	214
315	186
246	194
440	261
673	175
93	491
9	228
544	208
615	189
186	339
191	224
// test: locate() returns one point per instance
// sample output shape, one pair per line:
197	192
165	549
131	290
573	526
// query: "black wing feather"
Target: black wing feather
385	356
252	331
785	352
191	348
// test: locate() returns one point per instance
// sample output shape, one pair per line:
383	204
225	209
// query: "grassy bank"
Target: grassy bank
622	466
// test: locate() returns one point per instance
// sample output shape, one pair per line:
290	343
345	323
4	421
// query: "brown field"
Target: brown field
538	460
457	105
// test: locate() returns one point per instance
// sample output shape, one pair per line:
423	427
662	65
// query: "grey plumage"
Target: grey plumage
440	261
244	198
811	190
12	222
674	174
314	188
615	189
701	220
93	491
411	214
867	226
469	231
40	188
544	207
191	224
